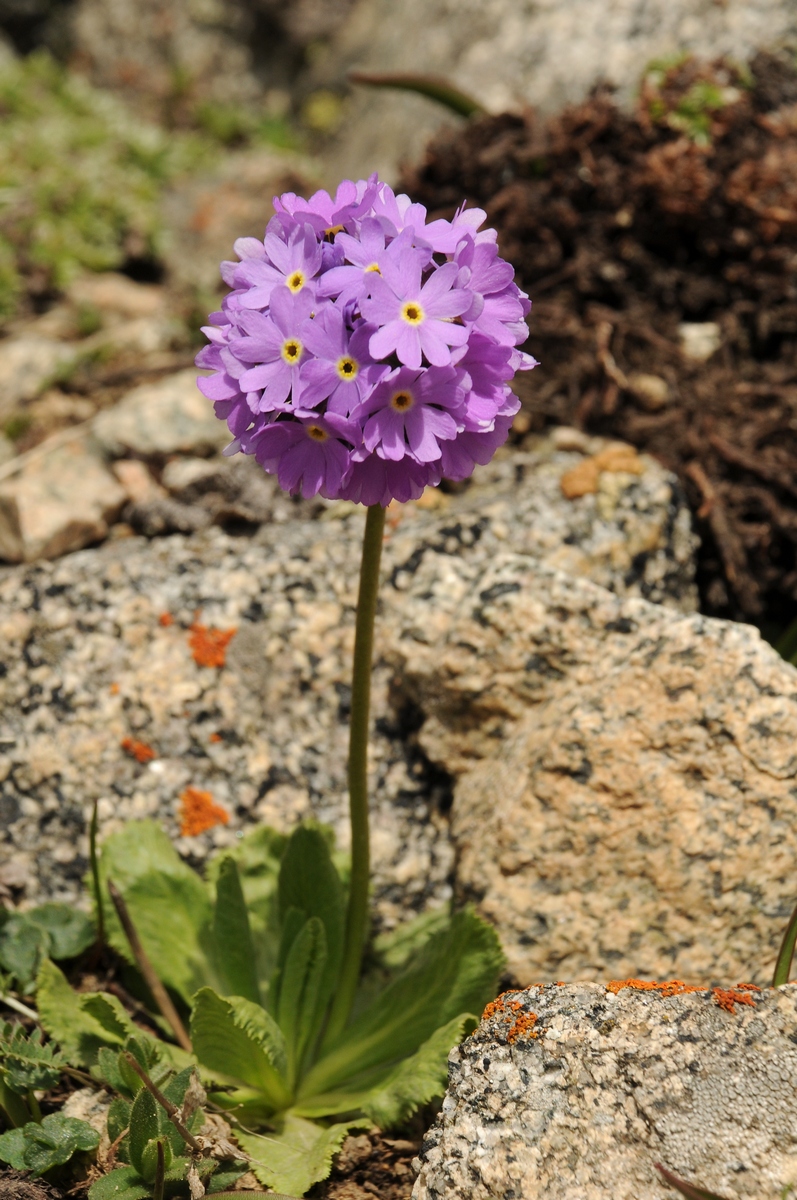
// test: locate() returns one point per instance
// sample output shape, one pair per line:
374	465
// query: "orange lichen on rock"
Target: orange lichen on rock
166	619
728	998
114	689
510	1010
215	737
199	812
524	1025
673	987
499	1006
725	998
209	645
140	751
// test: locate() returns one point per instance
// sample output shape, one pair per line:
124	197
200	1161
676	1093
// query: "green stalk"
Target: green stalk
357	912
95	878
33	1105
786	953
13	1105
160	1172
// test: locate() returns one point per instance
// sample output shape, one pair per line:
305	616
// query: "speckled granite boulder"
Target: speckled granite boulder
575	1092
626	799
87	663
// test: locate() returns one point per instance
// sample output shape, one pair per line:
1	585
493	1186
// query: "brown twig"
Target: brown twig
734	559
172	1111
780	476
161	996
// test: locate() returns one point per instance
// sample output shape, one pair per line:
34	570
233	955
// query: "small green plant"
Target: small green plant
255	954
55	931
34	1143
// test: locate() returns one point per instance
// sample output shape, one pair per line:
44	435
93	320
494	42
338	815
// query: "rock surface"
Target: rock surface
61	498
508	54
27	364
91	659
159	419
626	799
576	1092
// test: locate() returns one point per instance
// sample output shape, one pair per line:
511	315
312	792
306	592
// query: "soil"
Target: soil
624	227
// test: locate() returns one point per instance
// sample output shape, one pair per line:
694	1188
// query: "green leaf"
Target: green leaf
149	1157
786	953
124	1183
12	1149
118	1117
434	87
297	1156
242	1042
302	1005
40	1146
109	1012
70	931
168	903
27	938
395	948
403	1089
62	1014
455	972
309	882
144	1126
23	945
27	1063
235	956
257	856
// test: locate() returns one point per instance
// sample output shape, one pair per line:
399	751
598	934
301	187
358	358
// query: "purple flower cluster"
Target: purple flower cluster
363	352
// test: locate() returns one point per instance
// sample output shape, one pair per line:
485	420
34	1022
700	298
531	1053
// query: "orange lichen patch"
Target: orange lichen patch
114	689
140	751
166	619
199	812
725	998
524	1025
215	737
209	645
499	1007
510	1010
728	998
673	987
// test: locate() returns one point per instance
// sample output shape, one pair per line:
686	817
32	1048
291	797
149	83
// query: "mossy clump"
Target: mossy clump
81	177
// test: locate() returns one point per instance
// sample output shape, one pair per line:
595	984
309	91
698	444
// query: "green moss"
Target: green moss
81	176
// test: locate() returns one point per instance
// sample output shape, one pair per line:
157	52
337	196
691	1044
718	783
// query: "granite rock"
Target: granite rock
56	499
95	650
160	419
27	364
575	1092
508	53
626	796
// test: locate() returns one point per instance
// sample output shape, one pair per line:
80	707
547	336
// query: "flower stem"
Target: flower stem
357	913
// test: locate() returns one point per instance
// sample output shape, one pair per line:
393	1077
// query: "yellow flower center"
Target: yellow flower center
317	433
296	281
347	369
401	401
332	230
373	267
291	351
412	312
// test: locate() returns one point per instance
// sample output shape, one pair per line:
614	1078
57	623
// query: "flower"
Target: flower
363	352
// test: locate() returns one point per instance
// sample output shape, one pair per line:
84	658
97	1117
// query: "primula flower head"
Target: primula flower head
362	352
